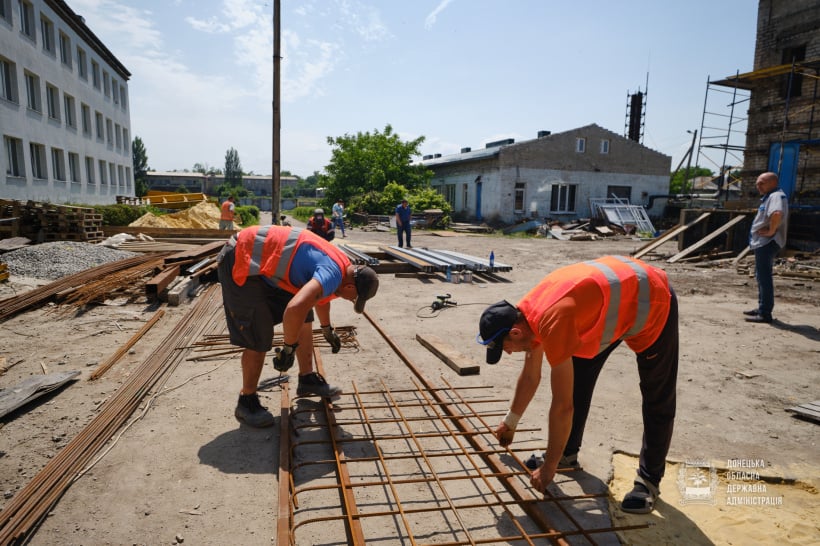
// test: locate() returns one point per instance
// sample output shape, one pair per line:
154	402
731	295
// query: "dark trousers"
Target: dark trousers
404	229
764	263
658	371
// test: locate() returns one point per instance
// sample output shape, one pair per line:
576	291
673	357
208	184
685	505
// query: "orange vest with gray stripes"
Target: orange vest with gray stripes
636	301
269	250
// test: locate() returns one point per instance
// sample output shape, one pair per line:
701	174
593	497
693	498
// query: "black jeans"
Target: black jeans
658	371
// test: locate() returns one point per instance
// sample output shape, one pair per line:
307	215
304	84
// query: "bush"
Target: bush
248	215
123	215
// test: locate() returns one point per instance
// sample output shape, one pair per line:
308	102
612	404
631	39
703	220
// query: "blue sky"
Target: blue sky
458	72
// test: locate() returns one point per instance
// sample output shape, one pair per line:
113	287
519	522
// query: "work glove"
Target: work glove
506	430
332	338
283	359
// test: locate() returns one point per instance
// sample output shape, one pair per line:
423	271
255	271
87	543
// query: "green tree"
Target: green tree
367	162
678	177
204	168
140	159
385	201
233	168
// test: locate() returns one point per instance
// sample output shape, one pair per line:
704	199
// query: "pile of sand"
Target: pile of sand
747	509
204	215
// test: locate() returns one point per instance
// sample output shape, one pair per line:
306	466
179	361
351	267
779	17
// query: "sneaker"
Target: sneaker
314	383
569	461
759	318
752	312
250	412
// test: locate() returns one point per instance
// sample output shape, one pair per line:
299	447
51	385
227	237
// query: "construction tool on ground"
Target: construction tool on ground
441	302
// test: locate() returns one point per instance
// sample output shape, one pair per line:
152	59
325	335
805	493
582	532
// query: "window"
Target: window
15	165
73	167
89	169
792	83
118	135
465	194
115	90
109	132
112	174
100	128
126	144
122	97
120	176
128	177
26	18
53	101
5	11
448	191
563	198
605	146
103	174
580	145
8	80
106	84
620	192
82	63
58	164
47	30
70	113
95	74
519	196
65	49
38	161
86	111
33	92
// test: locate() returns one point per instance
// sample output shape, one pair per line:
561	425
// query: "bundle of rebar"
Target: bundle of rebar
9	307
32	503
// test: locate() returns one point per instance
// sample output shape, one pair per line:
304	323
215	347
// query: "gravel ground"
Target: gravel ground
52	261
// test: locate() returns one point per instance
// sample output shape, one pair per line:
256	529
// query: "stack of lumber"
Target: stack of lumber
48	222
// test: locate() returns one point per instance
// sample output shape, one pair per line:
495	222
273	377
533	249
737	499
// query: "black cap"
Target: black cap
496	321
367	283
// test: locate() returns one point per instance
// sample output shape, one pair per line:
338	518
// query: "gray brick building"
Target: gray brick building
553	176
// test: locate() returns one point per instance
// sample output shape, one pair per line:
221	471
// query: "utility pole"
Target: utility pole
277	116
689	161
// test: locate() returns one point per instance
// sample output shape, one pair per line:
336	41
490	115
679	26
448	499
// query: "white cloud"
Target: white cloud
430	20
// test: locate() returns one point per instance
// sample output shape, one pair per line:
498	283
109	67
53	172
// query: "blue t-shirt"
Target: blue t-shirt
311	263
404	214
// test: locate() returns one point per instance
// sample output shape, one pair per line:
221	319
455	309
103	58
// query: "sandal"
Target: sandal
641	500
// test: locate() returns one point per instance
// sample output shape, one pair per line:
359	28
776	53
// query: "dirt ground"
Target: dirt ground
185	470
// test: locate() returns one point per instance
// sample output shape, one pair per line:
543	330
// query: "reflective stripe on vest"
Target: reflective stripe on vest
284	260
642	314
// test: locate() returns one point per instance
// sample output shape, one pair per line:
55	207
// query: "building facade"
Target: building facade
194	182
783	129
554	176
64	108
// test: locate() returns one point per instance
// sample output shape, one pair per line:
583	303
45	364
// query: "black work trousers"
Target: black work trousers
658	371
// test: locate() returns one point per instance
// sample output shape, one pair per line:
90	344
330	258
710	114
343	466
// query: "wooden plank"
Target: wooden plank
743	254
674	232
156	232
809	410
449	355
725	227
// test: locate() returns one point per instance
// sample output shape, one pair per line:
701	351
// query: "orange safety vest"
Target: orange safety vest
227	213
636	301
269	251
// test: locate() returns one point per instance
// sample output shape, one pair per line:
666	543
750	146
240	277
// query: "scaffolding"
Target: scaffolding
722	142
